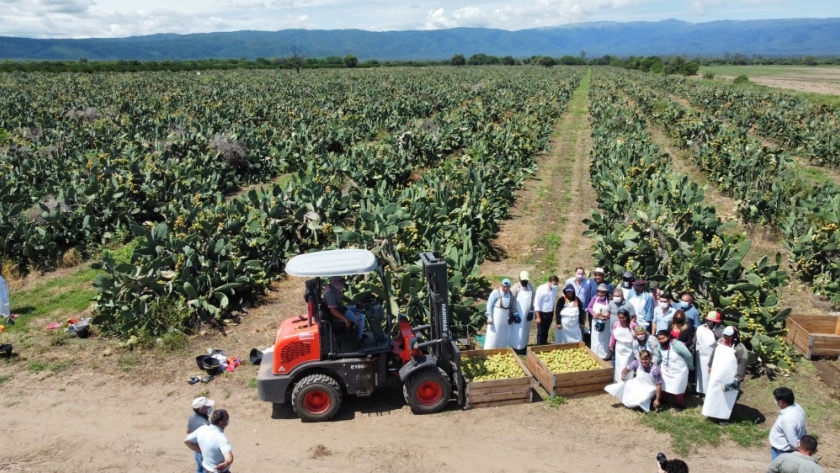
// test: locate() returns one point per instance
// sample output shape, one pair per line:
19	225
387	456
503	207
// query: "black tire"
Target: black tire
428	391
316	398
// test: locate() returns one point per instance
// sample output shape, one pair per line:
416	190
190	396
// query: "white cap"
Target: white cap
599	270
524	276
200	402
729	331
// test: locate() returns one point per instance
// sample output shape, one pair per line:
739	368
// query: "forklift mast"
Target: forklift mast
445	349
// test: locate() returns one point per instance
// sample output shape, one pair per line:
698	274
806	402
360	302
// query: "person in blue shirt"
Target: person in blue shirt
581	285
663	313
642	303
691	312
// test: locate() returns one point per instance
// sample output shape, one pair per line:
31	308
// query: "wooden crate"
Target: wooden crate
500	392
814	335
569	384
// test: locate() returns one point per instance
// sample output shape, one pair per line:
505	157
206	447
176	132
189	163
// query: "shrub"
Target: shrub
742	79
709	75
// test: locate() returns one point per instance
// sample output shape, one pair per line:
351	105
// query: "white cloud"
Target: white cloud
110	18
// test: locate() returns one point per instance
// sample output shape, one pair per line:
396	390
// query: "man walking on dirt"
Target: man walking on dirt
202	407
211	443
545	298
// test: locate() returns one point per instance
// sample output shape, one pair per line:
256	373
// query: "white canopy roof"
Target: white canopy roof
332	263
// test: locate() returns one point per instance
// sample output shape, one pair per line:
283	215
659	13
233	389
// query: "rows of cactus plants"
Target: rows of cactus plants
654	222
209	255
83	157
808	129
764	181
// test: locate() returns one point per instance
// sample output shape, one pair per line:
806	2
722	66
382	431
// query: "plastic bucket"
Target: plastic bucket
199	361
211	365
255	357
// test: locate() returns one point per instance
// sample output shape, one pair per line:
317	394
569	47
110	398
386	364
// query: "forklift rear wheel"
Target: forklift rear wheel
428	391
316	398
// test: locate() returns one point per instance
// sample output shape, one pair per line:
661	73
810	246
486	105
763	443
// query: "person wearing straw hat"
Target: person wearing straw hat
500	310
202	407
706	339
523	297
598	278
727	369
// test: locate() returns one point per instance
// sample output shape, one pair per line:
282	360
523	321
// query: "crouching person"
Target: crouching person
644	387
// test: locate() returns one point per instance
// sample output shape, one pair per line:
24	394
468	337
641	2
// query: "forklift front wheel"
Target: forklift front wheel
428	391
316	398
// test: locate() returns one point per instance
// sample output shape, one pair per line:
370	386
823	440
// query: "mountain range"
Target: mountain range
791	37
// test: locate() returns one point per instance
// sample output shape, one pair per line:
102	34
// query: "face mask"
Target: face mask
617	299
663	305
625	284
679	321
209	411
524	283
578	277
685	305
641	338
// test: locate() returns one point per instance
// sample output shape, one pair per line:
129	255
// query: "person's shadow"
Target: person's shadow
741	413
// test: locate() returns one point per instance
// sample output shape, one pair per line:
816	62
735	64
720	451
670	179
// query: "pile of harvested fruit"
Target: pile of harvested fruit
568	361
486	368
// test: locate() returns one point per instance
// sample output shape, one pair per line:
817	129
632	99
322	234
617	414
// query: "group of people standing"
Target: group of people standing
637	326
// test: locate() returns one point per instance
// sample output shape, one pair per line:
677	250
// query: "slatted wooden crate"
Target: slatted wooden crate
569	384
500	392
814	335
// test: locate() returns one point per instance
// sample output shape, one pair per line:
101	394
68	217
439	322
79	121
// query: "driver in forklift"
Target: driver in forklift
334	299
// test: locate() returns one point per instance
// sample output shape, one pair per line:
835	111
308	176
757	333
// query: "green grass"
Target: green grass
252	383
554	402
57	297
37	366
5	378
129	361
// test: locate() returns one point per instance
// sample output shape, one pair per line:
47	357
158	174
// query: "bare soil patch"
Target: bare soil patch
816	80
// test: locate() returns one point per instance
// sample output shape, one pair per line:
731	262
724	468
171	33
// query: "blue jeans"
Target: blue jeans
357	318
775	452
198	459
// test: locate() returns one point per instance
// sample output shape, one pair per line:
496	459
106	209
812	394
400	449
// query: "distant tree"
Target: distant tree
809	61
583	55
482	59
508	61
546	61
458	60
350	61
296	58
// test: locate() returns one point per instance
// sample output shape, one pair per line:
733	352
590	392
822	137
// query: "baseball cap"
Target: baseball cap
524	276
599	270
628	275
653	285
639	283
714	316
729	331
200	402
505	282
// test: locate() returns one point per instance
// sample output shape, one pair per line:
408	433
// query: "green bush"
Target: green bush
742	79
709	75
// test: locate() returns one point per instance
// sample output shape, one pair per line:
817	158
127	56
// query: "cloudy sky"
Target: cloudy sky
115	18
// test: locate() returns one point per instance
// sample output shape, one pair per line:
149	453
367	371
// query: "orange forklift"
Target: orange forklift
316	360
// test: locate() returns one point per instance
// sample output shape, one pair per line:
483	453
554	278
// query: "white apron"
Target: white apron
518	334
600	343
719	404
497	333
705	345
639	306
623	351
674	372
570	321
636	392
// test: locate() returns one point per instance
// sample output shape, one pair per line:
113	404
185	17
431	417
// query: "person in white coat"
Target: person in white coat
599	311
706	339
675	362
621	342
523	297
500	309
639	384
727	368
570	315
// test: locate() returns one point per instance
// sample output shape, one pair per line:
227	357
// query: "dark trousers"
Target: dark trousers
544	326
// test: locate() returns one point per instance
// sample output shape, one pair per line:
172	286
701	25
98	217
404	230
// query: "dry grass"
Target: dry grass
71	258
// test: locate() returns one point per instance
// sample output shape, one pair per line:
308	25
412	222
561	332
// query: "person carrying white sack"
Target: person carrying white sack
641	389
523	297
500	309
706	339
727	368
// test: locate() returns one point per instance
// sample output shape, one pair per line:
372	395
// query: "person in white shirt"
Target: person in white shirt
581	285
211	443
789	426
663	313
544	301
